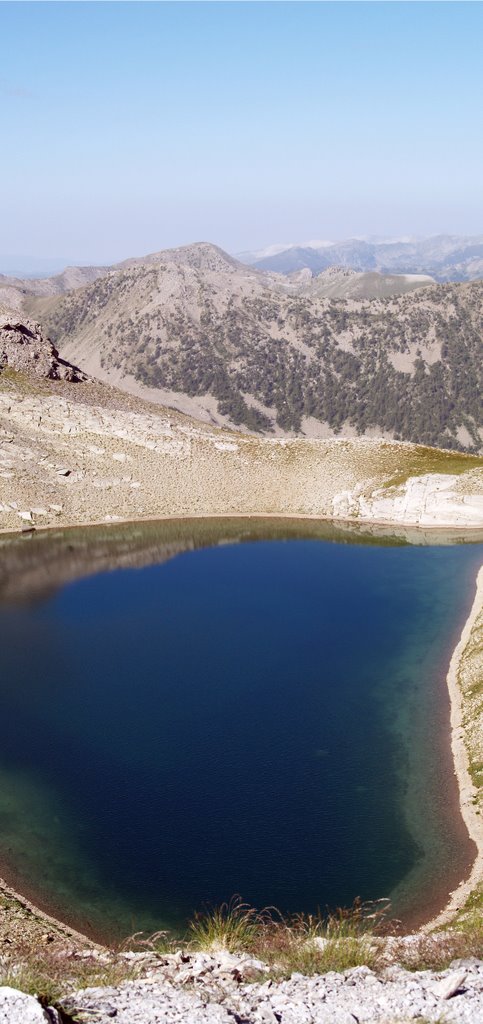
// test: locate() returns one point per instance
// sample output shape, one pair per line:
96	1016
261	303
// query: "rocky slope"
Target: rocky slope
343	283
74	453
347	998
193	329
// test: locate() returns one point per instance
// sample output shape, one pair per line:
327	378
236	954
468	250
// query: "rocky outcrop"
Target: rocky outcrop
24	347
355	995
433	500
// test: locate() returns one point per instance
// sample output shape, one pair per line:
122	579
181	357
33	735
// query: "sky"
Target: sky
131	127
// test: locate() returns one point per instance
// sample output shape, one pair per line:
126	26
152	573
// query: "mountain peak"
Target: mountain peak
197	255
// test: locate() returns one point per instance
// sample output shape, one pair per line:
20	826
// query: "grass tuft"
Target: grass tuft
233	926
306	943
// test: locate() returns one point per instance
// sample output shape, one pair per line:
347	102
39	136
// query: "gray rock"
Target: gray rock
18	1008
209	988
24	347
449	986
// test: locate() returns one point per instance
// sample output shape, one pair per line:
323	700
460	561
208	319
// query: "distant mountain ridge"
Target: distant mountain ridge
15	291
444	257
194	329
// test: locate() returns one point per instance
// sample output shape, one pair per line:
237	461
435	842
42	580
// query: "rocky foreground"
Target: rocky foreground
219	988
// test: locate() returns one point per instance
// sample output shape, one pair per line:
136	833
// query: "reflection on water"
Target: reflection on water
34	565
261	718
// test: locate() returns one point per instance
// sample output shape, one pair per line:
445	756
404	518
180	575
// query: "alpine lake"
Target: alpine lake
197	709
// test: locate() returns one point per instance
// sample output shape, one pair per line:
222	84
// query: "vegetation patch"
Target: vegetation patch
408	366
423	460
307	943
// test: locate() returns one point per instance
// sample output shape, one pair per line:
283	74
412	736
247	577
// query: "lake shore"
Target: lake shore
416	533
91	454
467	794
22	920
462	670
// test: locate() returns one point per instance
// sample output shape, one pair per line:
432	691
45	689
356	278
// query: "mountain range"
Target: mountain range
196	330
444	257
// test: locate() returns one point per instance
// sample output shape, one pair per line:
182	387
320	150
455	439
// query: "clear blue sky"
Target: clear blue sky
130	127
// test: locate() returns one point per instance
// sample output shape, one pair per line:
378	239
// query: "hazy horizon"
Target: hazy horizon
134	127
29	266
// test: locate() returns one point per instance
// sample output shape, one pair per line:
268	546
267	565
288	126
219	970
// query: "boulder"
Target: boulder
18	1008
449	985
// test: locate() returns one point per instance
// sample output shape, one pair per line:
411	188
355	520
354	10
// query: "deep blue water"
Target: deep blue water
266	719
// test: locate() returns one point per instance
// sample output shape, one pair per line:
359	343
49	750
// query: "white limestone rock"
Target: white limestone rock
433	499
18	1008
448	986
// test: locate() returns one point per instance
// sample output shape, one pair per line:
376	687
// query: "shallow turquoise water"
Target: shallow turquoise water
266	718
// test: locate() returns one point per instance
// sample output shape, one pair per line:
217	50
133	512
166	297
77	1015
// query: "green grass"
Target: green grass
476	772
316	944
471	909
420	460
306	943
233	926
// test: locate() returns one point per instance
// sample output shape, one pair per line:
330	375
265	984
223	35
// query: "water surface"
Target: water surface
267	718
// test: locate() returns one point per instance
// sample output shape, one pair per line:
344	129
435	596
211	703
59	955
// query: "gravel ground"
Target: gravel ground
205	988
209	989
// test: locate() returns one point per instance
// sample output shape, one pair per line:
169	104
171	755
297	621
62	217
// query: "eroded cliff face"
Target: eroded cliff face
25	348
